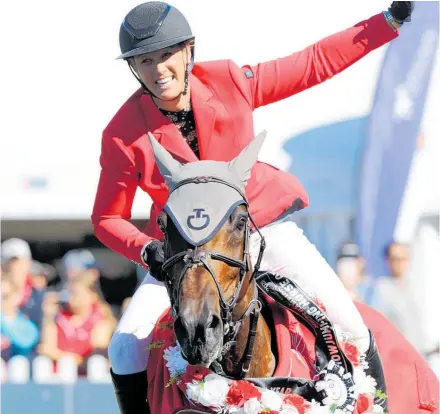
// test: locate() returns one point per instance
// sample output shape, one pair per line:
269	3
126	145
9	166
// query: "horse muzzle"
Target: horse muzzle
200	339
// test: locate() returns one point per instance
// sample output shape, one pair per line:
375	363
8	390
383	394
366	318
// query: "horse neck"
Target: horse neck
264	364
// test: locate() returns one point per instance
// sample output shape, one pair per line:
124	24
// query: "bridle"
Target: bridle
195	257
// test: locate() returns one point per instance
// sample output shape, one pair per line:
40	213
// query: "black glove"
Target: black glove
154	257
401	10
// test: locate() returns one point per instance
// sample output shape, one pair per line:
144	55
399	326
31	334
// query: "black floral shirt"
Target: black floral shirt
185	123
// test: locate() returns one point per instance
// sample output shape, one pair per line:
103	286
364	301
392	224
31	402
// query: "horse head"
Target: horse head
207	267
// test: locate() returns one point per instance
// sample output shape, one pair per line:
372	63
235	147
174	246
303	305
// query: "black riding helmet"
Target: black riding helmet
153	26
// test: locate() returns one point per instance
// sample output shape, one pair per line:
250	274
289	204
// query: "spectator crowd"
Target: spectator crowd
70	320
52	322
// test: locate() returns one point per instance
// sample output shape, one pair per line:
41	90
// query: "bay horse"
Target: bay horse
226	323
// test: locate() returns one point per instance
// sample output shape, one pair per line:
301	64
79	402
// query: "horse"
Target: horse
221	346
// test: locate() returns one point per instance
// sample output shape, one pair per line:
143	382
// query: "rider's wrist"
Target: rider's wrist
392	22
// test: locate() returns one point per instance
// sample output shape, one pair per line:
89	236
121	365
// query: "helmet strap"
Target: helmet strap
138	78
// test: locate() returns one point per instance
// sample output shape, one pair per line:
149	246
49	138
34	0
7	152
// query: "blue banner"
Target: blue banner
393	130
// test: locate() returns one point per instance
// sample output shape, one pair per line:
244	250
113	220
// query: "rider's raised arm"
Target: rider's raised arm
278	79
114	199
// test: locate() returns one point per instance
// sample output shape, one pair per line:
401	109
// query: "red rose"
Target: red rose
234	396
352	353
194	373
364	403
297	401
240	392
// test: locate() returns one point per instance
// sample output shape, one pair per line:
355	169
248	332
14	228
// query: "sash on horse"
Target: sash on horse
294	344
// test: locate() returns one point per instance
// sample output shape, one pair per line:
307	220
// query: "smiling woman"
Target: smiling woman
160	53
165	75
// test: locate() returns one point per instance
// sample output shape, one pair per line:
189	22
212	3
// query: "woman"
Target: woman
81	327
204	111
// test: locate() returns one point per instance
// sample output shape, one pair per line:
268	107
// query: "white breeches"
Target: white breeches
288	252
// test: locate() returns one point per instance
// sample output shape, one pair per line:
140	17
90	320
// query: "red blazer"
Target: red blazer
223	98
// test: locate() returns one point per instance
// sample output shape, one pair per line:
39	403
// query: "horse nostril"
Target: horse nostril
180	327
213	322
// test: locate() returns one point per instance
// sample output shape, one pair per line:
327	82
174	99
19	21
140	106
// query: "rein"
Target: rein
196	257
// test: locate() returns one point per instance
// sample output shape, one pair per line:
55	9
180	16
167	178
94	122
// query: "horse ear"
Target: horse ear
165	162
243	163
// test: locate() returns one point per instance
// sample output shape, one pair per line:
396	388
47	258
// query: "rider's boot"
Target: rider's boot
375	369
131	392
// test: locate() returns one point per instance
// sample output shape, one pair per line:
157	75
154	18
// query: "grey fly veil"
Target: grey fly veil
197	205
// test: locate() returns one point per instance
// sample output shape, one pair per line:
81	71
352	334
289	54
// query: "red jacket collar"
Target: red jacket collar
167	133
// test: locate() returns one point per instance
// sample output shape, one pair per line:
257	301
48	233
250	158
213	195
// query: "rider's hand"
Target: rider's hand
153	256
401	10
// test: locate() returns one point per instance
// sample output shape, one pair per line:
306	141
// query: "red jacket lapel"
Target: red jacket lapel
165	131
204	113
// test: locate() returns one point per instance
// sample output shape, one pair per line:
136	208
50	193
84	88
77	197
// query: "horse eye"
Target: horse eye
241	223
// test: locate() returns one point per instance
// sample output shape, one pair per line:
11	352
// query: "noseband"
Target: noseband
196	257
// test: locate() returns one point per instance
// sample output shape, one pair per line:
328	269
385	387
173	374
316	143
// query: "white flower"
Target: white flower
368	386
236	410
365	384
377	409
358	375
214	390
212	377
317	408
252	406
175	363
271	400
289	409
193	391
363	362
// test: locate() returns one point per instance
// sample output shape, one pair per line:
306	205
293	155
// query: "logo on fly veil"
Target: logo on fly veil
198	220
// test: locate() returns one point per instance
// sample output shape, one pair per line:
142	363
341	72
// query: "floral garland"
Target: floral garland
221	395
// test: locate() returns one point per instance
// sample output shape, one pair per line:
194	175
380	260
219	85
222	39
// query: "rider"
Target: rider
203	111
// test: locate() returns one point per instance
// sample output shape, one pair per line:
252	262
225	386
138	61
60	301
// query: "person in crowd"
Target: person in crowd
79	263
80	326
16	261
393	295
42	274
350	267
19	335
